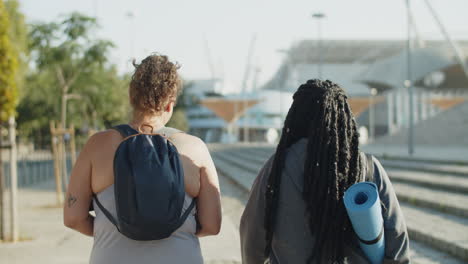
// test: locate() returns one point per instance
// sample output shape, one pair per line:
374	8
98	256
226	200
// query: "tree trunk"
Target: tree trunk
2	190
13	182
63	126
63	119
95	120
58	180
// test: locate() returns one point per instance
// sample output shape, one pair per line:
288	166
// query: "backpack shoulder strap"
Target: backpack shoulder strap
369	168
187	212
169	131
106	212
125	130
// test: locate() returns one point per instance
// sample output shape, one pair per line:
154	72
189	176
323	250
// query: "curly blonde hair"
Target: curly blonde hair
154	82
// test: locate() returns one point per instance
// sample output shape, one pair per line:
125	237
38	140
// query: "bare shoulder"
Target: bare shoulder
187	139
102	140
191	146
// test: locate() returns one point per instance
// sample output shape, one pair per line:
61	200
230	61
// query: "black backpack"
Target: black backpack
148	185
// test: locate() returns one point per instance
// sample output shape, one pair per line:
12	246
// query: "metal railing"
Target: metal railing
33	168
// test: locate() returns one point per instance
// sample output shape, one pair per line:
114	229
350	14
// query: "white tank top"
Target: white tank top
110	246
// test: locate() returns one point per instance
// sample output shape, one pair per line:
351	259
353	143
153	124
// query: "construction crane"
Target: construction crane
208	58
458	52
248	70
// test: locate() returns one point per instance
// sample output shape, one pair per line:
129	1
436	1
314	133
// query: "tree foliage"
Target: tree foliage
68	60
179	117
67	48
18	32
179	120
8	68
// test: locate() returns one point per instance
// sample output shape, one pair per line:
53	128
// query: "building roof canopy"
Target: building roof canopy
426	63
228	109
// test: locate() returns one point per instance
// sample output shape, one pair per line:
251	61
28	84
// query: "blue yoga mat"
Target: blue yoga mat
363	206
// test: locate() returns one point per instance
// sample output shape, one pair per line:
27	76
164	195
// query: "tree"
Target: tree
179	118
8	101
8	68
68	54
18	33
72	65
106	96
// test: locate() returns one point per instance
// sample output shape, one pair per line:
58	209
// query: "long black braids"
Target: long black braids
320	112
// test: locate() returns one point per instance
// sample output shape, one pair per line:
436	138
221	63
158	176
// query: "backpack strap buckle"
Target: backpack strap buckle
145	125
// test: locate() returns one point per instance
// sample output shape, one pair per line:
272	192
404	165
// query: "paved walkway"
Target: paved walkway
48	241
41	224
51	242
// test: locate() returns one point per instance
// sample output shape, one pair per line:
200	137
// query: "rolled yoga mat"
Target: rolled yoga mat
363	206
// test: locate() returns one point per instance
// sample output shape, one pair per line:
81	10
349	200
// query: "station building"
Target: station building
373	73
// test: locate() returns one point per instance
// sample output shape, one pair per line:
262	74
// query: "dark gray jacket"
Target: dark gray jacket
292	240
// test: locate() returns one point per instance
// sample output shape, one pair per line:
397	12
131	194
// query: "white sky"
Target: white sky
176	28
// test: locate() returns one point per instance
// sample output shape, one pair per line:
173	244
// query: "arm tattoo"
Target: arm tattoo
71	200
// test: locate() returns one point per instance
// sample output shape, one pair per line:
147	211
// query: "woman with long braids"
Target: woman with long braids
295	213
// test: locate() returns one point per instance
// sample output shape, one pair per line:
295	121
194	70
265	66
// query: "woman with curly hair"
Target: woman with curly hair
295	213
153	91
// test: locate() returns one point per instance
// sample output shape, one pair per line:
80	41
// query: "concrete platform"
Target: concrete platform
443	231
446	202
424	166
432	180
423	152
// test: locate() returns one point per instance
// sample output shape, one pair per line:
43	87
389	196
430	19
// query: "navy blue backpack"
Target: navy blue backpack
148	185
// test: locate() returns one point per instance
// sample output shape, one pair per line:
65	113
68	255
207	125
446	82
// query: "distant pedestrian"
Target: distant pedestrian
295	213
153	91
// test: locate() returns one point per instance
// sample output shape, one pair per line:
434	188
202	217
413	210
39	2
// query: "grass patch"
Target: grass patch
51	206
22	238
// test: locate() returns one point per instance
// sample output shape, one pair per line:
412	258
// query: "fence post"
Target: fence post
72	145
14	182
63	155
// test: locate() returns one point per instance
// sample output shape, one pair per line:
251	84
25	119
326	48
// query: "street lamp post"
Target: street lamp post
282	83
373	93
408	83
131	17
96	8
319	17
